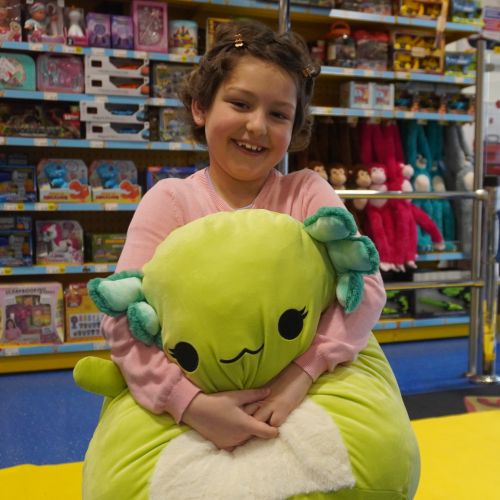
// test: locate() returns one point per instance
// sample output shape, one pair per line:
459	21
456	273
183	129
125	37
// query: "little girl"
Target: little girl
248	102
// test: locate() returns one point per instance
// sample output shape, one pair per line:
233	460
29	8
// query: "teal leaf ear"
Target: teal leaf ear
113	295
144	324
355	254
330	224
350	288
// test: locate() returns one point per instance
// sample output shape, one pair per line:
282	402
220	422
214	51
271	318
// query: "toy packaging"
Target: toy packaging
34	119
211	27
382	95
96	64
416	51
63	180
74	26
83	319
356	95
58	242
466	11
461	64
183	37
341	46
105	247
449	301
17	183
172	127
372	50
98	29
122	32
10	21
114	181
60	73
427	9
106	131
155	174
17	71
31	313
117	85
167	79
380	7
97	111
150	25
399	304
44	21
16	248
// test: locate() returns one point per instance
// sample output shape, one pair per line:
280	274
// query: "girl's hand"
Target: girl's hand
221	419
288	390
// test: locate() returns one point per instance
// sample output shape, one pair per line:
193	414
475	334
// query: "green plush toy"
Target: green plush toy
233	298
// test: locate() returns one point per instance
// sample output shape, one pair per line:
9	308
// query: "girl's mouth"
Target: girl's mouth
248	148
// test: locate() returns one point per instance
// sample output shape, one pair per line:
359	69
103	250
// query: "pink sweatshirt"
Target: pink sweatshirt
159	385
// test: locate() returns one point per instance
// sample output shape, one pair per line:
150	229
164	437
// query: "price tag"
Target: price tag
101	98
13	207
6	271
38	47
110	207
120	53
175	146
12	351
408	114
96	144
141	55
50	96
40	141
369	72
97	51
101	268
3	140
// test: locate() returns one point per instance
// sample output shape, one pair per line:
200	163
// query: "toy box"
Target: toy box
16	248
380	7
466	11
356	95
58	242
98	29
427	9
172	126
17	183
31	313
96	64
48	119
63	180
211	27
44	21
461	64
17	71
74	26
155	174
117	85
150	25
10	21
399	304
416	51
372	50
122	32
449	301
104	247
183	37
114	181
97	111
60	73
382	95
83	319
167	79
105	131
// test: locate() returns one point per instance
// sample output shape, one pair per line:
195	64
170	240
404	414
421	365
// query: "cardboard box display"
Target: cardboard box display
16	241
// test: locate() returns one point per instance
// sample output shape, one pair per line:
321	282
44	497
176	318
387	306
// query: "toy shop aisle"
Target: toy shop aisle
46	423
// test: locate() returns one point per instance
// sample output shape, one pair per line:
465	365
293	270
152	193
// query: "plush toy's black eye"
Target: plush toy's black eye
291	323
186	356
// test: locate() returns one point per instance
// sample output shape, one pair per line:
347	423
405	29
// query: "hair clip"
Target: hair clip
309	71
238	41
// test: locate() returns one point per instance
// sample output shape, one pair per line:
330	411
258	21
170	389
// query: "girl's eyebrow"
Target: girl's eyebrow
287	104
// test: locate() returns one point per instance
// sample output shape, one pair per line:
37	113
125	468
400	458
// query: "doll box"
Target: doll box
105	247
31	313
74	26
98	29
17	183
60	73
114	181
356	95
122	32
155	174
17	71
116	66
44	21
96	111
83	319
172	126
16	247
63	180
10	30
58	242
167	79
137	132
150	25
117	85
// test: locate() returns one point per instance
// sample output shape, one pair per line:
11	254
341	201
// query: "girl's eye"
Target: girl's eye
280	116
239	104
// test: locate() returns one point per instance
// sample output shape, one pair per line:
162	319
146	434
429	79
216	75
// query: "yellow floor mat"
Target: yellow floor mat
460	461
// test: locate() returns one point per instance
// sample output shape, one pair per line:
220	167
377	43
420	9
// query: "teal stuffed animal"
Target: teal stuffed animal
233	298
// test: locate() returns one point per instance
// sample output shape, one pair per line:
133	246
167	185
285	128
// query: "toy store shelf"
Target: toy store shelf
71	49
48	357
401	330
68	97
431	257
389	114
57	269
68	207
395	75
97	144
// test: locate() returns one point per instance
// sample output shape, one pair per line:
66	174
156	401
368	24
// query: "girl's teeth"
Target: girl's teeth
249	146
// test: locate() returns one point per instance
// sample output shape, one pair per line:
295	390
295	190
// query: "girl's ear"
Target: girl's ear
198	114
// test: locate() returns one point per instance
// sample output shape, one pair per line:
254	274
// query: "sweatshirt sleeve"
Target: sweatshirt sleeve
340	336
155	383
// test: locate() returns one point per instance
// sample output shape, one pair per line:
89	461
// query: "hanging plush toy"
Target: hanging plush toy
233	298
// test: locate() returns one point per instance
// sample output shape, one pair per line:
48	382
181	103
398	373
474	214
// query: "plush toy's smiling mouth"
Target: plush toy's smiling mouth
242	352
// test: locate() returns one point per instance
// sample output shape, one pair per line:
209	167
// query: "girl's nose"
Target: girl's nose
256	123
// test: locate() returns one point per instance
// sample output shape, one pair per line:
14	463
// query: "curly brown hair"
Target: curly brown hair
287	51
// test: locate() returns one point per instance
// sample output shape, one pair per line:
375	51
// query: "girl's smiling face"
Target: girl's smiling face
249	125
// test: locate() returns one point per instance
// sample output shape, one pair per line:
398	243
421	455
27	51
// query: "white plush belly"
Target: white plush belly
308	455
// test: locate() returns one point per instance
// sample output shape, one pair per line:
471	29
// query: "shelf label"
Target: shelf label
119	53
40	141
11	351
175	146
38	47
96	144
101	268
3	140
5	271
97	51
110	207
50	96
13	207
46	207
59	269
